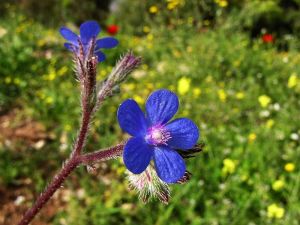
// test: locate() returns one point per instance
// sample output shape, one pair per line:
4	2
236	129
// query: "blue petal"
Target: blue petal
161	106
184	133
69	35
89	30
108	42
132	119
169	164
137	155
70	47
101	56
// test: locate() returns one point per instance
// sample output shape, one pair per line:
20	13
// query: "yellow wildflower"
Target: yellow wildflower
145	67
136	40
185	113
139	99
293	80
40	94
171	87
229	166
223	3
275	211
209	79
121	170
62	71
41	42
172	4
67	127
289	167
153	9
51	76
197	92
251	137
270	123
103	73
150	37
240	95
149	86
49	100
222	95
264	100
129	87
17	81
244	177
278	185
183	85
146	29
149	45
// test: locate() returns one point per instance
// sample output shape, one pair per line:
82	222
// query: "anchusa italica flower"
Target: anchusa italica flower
87	53
83	43
155	138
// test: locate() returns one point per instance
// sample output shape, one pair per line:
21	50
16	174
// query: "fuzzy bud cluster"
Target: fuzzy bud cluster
86	70
124	67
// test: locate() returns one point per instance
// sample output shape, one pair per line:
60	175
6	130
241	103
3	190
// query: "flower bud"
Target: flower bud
149	185
124	67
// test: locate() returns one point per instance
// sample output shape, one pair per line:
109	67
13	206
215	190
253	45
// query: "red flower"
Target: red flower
267	38
112	29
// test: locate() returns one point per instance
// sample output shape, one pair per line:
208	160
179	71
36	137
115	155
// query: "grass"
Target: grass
220	76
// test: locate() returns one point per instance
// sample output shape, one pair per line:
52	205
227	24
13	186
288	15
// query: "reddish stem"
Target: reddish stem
50	190
88	110
83	132
70	165
102	155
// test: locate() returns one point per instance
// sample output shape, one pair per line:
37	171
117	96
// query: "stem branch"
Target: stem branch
103	154
70	165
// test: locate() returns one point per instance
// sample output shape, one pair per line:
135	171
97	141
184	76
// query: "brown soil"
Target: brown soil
14	126
14	200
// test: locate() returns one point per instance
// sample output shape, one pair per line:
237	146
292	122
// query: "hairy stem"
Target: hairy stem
70	165
50	190
90	103
103	154
103	93
83	132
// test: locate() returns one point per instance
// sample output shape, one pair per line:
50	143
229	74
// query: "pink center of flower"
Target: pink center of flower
157	135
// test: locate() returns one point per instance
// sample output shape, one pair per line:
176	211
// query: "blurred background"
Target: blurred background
235	65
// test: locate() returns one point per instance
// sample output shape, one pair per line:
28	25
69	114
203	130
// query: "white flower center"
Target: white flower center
158	135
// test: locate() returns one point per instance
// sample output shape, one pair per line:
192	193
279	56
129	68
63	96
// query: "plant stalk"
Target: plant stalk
69	166
50	190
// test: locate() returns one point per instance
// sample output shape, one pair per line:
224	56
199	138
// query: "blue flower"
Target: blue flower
88	31
154	137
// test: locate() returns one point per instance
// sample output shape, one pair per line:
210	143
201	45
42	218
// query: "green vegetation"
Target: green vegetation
242	92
